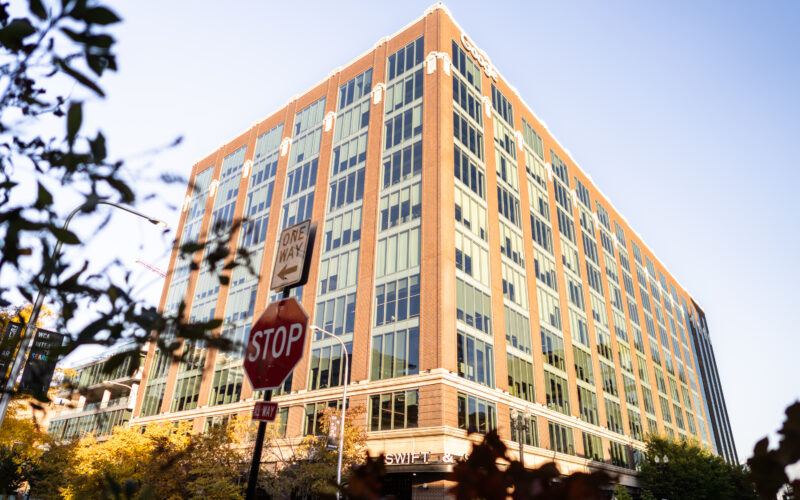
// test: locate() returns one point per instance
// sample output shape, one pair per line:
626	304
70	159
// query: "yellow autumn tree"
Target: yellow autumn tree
308	470
21	314
21	443
21	438
163	461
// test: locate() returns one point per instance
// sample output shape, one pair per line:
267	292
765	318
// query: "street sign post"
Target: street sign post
292	256
278	338
265	411
274	347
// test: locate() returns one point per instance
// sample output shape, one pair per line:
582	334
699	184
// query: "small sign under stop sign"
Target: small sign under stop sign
265	411
275	344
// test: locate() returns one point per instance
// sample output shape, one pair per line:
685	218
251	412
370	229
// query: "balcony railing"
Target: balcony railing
95	407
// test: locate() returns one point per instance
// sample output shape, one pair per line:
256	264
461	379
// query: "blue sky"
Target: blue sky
683	113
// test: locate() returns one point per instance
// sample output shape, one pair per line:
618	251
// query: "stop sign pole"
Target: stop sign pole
295	248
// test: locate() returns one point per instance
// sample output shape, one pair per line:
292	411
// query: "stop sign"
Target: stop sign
275	344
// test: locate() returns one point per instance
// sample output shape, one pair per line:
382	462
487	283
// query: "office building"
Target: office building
714	399
472	267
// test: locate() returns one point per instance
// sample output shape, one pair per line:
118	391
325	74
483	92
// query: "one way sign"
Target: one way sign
291	262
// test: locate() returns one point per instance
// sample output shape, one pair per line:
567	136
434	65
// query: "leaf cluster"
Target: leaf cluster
489	473
161	461
21	442
52	60
768	466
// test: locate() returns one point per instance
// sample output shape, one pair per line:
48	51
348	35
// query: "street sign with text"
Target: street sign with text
275	344
278	338
42	358
9	343
292	256
265	411
334	423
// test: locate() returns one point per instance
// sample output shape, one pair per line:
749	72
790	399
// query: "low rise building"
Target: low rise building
94	398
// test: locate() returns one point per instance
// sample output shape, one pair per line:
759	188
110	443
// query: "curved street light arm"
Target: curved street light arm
344	402
47	272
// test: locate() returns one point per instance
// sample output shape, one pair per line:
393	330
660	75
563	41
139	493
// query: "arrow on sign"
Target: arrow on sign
286	270
293	255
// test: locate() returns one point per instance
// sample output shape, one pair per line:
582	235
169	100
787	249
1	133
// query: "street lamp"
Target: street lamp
344	403
662	464
519	425
37	305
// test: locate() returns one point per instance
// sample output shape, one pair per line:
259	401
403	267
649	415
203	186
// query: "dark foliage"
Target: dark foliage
768	467
53	60
367	480
484	475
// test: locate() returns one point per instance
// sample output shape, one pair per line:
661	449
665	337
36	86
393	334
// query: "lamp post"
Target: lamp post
47	271
519	425
662	464
344	404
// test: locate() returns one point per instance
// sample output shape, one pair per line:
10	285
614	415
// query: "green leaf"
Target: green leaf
74	35
100	15
65	235
97	63
15	32
74	119
98	146
191	247
80	77
125	192
37	8
101	41
212	324
44	198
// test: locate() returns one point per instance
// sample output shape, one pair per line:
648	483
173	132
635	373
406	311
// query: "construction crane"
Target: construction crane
152	268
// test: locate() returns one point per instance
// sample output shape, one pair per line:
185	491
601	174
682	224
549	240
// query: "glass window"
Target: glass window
557	392
561	439
587	403
397	410
473	307
405	58
614	416
476	414
395	353
475	359
553	349
592	447
619	454
520	378
583	365
518	330
502	106
530	435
